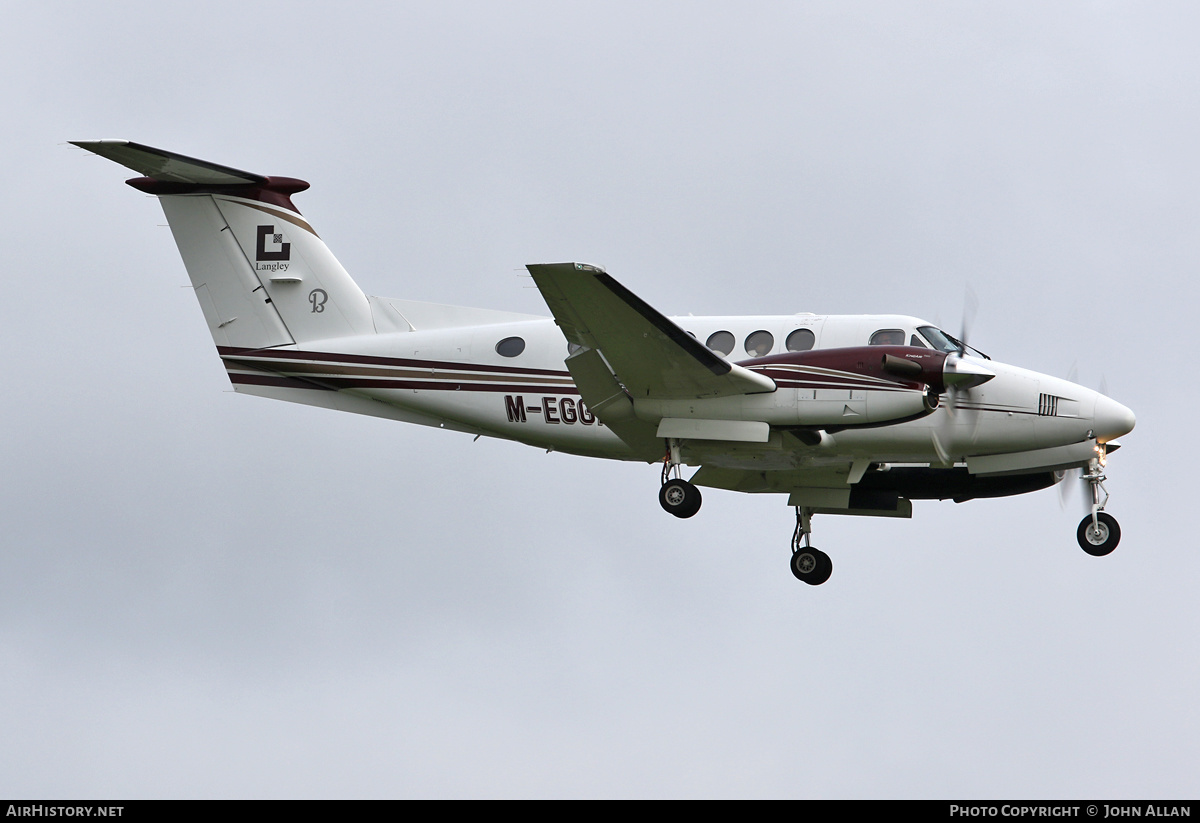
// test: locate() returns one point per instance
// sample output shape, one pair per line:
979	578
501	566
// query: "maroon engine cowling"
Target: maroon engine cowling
907	365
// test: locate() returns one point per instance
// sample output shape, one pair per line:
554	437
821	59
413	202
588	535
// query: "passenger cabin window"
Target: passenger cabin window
801	340
510	347
720	341
759	343
887	337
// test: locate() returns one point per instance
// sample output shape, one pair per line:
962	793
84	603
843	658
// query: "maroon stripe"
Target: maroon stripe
338	383
437	385
278	382
291	354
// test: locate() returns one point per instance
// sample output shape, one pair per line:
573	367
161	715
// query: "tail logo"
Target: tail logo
282	251
318	297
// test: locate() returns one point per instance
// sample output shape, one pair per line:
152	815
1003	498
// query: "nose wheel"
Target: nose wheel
1098	533
809	565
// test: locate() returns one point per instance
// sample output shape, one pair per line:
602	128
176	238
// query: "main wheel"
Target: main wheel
680	498
1100	539
811	566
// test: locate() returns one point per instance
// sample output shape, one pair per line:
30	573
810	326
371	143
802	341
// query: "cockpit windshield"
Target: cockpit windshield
944	342
938	339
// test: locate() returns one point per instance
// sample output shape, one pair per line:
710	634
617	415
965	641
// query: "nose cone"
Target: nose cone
1112	419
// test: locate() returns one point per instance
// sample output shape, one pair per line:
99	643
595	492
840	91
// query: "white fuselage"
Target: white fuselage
455	377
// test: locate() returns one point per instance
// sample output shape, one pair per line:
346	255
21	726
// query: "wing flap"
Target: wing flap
609	402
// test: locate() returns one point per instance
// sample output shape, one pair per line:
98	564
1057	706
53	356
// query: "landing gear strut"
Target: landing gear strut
677	496
1098	533
809	565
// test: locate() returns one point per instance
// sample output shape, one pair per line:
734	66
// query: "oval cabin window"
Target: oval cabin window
801	340
760	343
720	341
510	347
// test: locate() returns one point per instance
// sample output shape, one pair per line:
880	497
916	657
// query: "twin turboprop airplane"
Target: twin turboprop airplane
856	414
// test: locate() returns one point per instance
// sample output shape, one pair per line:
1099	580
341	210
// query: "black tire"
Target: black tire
1102	541
811	566
680	498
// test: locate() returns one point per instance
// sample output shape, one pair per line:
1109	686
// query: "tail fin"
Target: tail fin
262	275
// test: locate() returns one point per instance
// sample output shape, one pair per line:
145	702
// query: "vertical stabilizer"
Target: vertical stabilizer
262	275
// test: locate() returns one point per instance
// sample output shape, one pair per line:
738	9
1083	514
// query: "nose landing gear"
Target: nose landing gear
1098	532
809	565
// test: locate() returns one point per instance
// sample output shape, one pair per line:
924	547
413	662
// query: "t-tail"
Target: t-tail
262	275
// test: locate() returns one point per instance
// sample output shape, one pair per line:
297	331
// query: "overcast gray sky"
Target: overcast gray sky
209	595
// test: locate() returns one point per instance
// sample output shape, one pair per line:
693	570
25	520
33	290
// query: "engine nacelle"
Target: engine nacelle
829	388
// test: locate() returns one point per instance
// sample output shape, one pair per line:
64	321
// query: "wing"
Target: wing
648	354
627	349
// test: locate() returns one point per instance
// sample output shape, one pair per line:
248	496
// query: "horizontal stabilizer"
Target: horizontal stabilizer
167	166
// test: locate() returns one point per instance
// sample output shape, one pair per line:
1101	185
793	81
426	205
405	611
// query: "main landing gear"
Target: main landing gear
682	499
677	496
1098	532
809	565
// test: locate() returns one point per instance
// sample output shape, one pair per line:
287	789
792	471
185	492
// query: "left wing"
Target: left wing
648	354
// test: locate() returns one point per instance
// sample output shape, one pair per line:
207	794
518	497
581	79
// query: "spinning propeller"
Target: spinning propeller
959	376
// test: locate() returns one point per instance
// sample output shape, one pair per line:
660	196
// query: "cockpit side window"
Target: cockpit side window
887	337
916	341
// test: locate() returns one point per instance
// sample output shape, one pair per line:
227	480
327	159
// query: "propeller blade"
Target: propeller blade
943	455
1071	485
970	309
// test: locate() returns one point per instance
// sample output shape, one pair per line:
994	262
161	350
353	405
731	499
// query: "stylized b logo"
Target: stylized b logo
261	253
317	297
